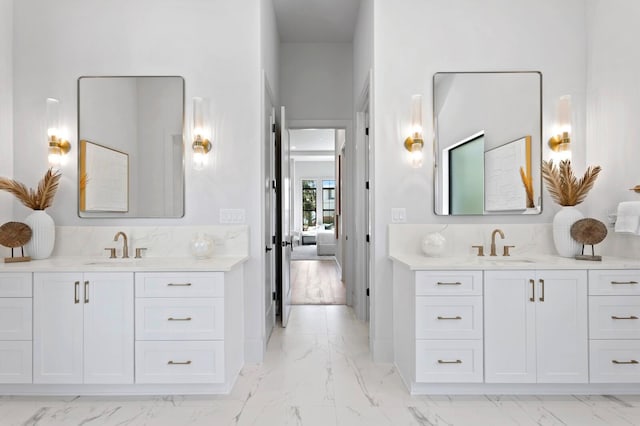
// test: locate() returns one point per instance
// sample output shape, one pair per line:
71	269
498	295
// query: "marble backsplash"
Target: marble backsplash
528	239
160	241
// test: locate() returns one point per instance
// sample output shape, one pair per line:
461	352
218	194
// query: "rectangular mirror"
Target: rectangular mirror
488	143
131	154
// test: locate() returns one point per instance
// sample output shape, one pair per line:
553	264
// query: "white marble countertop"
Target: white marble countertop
103	264
418	262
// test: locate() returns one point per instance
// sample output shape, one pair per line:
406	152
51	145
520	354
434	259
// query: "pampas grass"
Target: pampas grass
564	187
41	198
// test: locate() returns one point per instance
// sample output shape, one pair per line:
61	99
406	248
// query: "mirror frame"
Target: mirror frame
437	159
119	215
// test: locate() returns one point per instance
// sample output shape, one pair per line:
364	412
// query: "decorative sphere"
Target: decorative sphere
202	247
433	244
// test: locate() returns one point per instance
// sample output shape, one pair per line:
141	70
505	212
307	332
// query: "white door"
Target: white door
108	327
285	179
561	327
57	328
509	326
269	122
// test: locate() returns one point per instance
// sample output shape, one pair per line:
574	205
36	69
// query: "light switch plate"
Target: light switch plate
398	215
232	216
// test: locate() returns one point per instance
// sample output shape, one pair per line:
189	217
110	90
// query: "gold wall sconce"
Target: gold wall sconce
58	146
560	143
415	142
201	134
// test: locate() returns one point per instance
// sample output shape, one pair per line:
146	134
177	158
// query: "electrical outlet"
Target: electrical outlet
232	216
399	215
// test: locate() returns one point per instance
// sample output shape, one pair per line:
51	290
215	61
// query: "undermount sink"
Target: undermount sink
505	259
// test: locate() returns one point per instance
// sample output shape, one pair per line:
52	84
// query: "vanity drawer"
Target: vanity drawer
170	284
614	361
449	317
180	362
179	319
15	318
15	285
16	362
614	317
614	282
449	361
448	283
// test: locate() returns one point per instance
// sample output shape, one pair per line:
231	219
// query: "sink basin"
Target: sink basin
505	259
114	262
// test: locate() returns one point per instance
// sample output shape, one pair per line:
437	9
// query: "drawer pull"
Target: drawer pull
452	283
179	362
632	317
450	318
633	361
457	361
179	319
179	284
624	282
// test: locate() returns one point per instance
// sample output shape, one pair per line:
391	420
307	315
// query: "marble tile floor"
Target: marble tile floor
318	371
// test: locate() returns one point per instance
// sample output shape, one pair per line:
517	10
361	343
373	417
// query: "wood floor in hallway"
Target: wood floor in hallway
316	282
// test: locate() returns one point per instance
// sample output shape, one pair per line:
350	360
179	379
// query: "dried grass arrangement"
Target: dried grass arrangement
39	199
564	187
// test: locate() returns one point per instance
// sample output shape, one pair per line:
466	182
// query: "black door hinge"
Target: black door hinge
366	184
367	292
273	239
366	131
273	127
273	295
273	184
368	238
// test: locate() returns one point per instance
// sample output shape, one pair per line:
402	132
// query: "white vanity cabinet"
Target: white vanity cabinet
614	320
83	328
536	328
438	326
15	327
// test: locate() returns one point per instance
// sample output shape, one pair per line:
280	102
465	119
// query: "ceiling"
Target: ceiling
316	21
312	144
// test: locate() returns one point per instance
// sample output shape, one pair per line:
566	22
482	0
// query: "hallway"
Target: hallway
318	371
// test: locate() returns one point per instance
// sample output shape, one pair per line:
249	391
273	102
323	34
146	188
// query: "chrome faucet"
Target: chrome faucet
493	240
125	247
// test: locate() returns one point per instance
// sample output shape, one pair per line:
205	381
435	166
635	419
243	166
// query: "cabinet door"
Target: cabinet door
57	328
108	327
562	327
509	327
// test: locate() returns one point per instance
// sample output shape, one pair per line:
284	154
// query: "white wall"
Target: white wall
613	108
416	38
316	80
6	109
213	44
317	170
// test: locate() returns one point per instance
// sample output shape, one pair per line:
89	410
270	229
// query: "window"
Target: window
328	203
308	204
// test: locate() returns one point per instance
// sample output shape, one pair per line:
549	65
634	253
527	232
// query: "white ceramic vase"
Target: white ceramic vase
43	235
202	246
562	221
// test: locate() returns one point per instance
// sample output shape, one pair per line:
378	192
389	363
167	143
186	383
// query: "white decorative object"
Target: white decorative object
43	235
566	246
433	244
202	246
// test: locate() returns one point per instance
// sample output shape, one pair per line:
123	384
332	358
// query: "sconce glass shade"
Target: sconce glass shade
561	140
201	134
58	146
